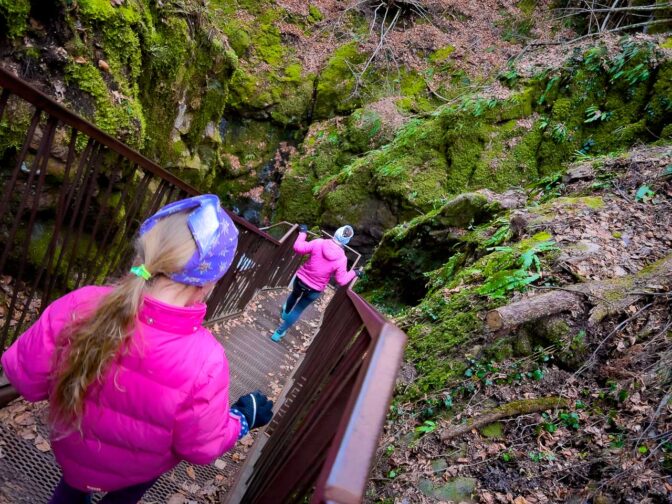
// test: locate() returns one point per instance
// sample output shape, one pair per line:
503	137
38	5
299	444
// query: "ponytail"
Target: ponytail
89	345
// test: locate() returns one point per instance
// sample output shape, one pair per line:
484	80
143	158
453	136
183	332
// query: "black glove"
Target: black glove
256	408
303	228
359	272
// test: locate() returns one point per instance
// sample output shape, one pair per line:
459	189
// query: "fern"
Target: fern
502	282
529	270
501	235
593	113
559	133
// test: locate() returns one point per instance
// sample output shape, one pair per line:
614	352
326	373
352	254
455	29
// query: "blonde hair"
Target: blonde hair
89	345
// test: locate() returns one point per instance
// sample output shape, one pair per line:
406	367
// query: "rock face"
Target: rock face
373	149
483	142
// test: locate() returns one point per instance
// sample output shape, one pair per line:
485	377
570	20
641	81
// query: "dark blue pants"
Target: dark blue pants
65	494
300	299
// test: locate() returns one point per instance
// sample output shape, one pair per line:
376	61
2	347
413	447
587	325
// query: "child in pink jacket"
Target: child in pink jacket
327	258
135	382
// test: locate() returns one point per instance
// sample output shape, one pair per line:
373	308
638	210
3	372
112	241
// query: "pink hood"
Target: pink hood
163	401
327	258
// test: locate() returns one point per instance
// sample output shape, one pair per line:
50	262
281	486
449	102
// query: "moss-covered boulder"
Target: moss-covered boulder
596	103
423	244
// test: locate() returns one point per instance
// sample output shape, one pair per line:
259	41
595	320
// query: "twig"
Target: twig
620	326
656	414
606	18
514	408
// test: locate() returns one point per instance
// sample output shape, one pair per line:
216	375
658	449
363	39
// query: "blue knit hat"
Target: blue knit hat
344	234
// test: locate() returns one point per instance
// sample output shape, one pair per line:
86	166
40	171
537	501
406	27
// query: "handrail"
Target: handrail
354	446
41	101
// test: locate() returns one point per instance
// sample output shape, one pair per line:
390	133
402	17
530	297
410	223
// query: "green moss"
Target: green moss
268	46
527	6
239	38
336	82
14	17
75	258
592	202
362	127
659	108
124	120
96	10
441	55
211	109
667	44
314	14
494	430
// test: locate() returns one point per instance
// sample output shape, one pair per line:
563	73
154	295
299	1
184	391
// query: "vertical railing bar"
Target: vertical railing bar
312	383
309	382
39	166
84	272
310	413
24	197
97	162
71	190
79	194
4	97
122	199
46	262
171	190
9	188
136	204
157	198
60	216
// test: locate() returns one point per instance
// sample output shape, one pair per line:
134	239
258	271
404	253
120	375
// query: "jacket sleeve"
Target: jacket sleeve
343	276
204	428
301	246
28	363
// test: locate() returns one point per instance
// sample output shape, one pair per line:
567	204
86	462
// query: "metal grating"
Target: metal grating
28	476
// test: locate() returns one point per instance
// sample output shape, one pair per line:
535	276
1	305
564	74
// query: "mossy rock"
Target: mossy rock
127	123
336	83
457	490
494	430
14	17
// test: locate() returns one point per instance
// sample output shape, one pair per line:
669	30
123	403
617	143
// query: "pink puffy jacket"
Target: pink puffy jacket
163	401
326	258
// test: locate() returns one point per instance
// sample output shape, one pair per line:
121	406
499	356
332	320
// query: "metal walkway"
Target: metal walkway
323	439
28	471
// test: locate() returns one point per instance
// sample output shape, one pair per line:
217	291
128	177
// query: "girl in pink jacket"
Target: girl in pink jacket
327	258
135	383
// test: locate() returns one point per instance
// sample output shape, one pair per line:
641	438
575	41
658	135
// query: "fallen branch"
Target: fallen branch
514	408
607	298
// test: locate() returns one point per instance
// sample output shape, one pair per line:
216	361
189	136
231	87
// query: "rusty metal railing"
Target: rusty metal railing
71	195
323	439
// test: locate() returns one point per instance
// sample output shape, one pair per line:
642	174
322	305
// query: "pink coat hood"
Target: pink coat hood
326	258
163	401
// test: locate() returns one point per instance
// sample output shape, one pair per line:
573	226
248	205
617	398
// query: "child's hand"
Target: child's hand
303	228
256	408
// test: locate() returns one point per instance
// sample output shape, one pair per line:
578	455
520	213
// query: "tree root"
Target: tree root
514	408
